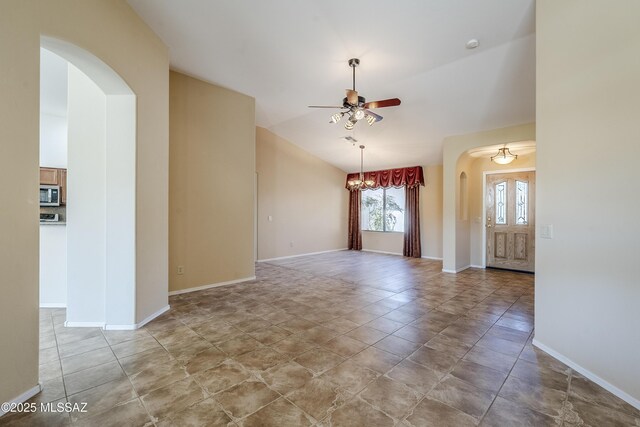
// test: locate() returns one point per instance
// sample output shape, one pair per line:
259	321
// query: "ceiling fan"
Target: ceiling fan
356	107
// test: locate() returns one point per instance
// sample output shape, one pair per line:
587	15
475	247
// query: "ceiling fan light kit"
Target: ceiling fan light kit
504	156
349	124
370	119
356	106
336	117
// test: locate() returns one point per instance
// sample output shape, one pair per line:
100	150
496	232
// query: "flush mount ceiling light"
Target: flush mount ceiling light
360	183
504	156
356	107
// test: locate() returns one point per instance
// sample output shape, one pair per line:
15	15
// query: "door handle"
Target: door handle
489	225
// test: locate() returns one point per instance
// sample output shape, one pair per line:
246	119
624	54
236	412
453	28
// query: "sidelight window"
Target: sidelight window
501	203
522	202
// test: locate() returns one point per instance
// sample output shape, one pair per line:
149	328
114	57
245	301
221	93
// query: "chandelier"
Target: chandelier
360	183
504	156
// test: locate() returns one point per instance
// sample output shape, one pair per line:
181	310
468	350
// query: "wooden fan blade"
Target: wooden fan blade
352	97
392	102
325	106
372	114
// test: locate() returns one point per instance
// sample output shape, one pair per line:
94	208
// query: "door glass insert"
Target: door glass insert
522	202
501	203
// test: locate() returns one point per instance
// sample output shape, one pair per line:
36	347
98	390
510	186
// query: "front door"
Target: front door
510	222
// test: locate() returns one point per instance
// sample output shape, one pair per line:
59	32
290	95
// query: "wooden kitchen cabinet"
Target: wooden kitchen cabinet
49	176
62	182
55	176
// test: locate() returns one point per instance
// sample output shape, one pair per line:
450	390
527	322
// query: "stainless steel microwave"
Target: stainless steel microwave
49	195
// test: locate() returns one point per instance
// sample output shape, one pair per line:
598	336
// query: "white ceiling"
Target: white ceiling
289	54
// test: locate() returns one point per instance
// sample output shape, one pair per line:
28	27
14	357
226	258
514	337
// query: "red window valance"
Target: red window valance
402	177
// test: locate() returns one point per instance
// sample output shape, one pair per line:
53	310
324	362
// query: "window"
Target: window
522	202
501	203
383	209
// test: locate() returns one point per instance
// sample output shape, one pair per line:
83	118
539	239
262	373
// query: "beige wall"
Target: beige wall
211	189
588	105
431	212
304	196
113	32
19	225
463	238
476	206
454	147
430	221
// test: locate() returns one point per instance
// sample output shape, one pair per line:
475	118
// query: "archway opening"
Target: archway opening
101	192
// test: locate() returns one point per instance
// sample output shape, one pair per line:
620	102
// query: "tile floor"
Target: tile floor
339	339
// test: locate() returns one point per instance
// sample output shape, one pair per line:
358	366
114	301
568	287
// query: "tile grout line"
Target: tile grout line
138	397
64	382
505	380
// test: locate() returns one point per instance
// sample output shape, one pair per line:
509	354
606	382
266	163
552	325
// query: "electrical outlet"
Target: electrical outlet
291	244
181	269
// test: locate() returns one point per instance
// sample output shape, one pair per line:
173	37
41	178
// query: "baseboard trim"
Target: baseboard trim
587	373
68	324
477	266
121	327
446	270
152	316
23	397
382	252
133	327
213	285
53	305
299	255
434	258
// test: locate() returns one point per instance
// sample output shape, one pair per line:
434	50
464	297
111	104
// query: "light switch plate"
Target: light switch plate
546	231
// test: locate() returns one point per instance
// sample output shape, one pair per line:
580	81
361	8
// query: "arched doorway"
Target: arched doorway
101	197
462	239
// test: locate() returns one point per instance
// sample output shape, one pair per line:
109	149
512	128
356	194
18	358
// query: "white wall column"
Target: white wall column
86	216
120	298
